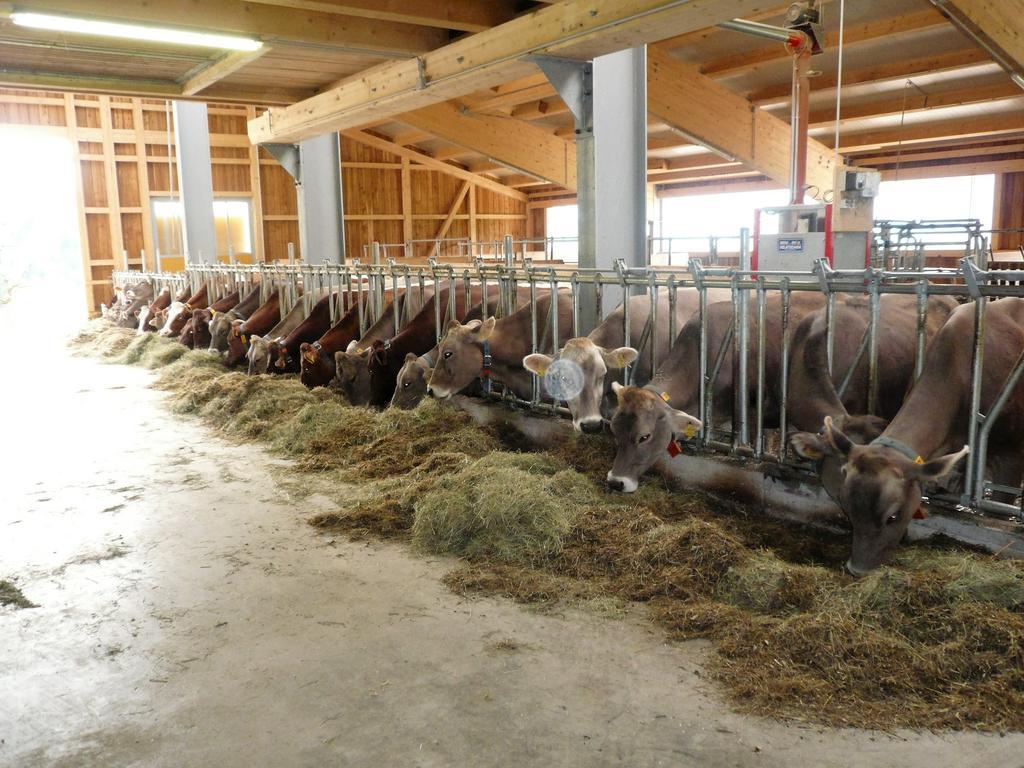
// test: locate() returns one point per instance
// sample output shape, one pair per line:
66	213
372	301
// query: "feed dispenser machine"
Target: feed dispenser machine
792	237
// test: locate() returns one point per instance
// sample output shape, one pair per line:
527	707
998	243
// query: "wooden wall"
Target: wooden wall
1009	211
125	155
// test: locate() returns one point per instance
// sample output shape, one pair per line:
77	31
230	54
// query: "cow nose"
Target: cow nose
430	391
615	484
591	427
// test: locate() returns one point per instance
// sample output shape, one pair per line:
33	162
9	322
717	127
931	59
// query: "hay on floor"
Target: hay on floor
936	640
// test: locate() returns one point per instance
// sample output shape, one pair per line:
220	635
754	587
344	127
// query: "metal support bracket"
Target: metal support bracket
574	82
288	157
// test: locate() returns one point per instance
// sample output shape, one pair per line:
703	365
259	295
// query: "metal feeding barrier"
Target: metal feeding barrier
750	432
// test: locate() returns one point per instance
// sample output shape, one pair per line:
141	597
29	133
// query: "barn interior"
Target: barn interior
202	566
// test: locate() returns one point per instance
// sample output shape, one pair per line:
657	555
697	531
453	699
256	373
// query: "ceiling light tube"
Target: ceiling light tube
99	28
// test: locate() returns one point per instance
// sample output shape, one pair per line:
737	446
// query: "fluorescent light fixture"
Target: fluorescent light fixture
133	31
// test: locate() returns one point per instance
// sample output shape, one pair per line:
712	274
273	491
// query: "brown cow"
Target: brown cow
464	351
258	353
179	312
196	333
593	356
812	392
156	315
317	360
649	420
220	322
881	481
266	316
284	353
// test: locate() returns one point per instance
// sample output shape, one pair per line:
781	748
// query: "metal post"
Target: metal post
195	180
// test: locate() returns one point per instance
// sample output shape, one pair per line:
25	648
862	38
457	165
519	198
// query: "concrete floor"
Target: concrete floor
188	616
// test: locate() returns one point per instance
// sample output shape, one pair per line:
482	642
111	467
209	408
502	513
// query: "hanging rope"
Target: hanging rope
839	72
903	116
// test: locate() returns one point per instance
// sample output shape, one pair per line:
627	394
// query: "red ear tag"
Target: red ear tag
674	448
920	514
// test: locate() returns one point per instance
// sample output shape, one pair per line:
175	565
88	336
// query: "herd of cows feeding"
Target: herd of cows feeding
873	465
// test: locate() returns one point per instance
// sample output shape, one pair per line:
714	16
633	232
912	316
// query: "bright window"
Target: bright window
952	198
232	221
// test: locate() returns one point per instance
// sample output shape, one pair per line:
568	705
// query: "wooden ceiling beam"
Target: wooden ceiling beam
266	22
891	27
948	61
915	102
726	121
432	163
513	143
876	160
119	86
960	128
578	29
443	14
997	24
217	70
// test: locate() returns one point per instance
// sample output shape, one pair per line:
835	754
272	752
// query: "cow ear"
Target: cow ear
537	363
254	337
810	445
486	328
617	389
452	325
352	346
619	358
862	429
411	357
840	443
683	423
942	466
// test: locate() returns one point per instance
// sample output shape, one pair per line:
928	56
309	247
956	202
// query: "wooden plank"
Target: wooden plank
266	22
890	27
513	143
71	121
953	169
447	223
217	70
443	14
407	211
580	29
948	154
258	234
142	168
428	162
472	214
88	84
727	122
1000	24
110	177
967	127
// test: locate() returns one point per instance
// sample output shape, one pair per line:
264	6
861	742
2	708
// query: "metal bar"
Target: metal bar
980	448
784	373
759	424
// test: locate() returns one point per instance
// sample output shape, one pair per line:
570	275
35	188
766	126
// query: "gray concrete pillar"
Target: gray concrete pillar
321	208
195	181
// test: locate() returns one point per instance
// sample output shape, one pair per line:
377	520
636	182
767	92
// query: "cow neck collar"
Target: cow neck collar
428	359
899	447
485	369
662	394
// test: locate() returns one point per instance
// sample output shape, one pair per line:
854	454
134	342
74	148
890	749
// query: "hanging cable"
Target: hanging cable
839	72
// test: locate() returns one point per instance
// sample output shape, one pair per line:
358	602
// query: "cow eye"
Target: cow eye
892	518
447	354
643	438
405	385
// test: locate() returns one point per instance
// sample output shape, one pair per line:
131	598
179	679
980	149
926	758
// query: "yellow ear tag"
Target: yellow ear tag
542	370
812	453
919	460
664	396
690	431
621	360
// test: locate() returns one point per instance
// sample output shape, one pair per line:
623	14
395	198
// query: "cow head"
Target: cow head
158	320
237	343
460	357
316	367
187	335
352	375
142	318
220	327
880	490
177	315
411	384
643	426
590	363
258	355
815	447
